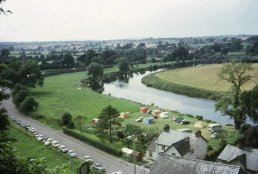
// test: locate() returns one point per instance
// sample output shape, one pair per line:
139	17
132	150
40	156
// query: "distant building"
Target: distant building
180	144
167	164
246	158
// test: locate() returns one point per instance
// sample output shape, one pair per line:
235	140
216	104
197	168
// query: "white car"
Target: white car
98	167
70	151
32	129
88	159
47	143
55	144
118	172
63	148
39	137
139	119
73	155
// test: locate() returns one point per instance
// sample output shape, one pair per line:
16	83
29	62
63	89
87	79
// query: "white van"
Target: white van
214	127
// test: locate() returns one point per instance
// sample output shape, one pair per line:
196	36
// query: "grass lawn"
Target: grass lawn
204	77
28	146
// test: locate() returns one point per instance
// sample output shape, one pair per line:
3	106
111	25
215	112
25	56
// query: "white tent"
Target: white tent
164	115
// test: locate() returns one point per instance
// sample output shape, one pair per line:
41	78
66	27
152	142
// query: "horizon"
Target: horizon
95	20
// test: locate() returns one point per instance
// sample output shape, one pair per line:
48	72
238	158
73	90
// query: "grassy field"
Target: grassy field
28	146
60	94
203	77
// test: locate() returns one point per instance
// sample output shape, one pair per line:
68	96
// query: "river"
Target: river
136	91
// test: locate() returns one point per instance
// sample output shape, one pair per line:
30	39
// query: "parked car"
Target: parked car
215	134
47	143
88	159
73	155
214	127
32	129
63	148
55	144
184	121
139	119
98	167
70	151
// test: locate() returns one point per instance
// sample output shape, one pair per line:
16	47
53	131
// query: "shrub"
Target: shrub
20	96
92	142
36	115
70	125
28	105
18	87
66	118
199	117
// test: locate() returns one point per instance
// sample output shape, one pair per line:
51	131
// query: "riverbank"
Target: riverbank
201	81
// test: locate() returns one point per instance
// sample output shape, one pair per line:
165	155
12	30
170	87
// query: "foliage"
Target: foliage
236	74
4	122
78	121
123	65
95	70
18	87
66	118
92	142
29	104
249	138
20	96
107	119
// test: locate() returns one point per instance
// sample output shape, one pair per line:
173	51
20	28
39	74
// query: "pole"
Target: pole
134	154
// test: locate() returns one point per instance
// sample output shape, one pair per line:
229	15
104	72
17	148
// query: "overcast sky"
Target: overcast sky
48	20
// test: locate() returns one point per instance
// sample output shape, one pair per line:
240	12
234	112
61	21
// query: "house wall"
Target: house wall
198	148
173	151
153	157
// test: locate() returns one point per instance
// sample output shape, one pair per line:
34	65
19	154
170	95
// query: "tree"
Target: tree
30	75
29	104
20	96
107	118
66	118
68	60
123	65
95	70
4	122
78	121
237	74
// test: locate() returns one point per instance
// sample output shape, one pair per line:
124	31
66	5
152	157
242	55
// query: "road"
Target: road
110	162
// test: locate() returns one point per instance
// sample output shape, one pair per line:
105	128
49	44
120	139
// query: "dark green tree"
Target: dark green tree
123	66
20	96
68	61
29	104
95	71
66	118
107	118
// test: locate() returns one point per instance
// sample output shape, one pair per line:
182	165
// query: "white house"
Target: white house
179	144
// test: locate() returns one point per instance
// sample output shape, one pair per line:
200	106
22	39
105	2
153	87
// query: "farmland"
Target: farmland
203	77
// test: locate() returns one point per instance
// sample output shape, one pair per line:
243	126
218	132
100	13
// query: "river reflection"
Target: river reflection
136	91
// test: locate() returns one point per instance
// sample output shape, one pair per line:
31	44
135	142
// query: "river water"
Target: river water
136	91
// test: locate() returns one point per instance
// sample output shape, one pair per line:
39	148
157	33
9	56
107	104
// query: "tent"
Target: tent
164	115
178	119
123	114
148	120
144	109
94	120
156	112
199	124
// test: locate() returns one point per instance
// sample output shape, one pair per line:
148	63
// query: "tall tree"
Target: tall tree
123	65
95	71
78	121
107	118
237	74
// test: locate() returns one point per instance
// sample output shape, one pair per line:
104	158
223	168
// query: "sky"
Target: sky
60	20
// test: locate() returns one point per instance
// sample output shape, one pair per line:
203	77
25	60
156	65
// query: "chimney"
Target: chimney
198	133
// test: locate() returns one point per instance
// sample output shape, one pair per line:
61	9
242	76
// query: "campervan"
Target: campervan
214	127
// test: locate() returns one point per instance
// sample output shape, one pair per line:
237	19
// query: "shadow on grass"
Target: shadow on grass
41	93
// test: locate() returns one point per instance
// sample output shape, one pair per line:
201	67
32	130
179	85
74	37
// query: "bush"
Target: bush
92	142
18	87
70	125
199	117
36	115
28	105
66	118
20	96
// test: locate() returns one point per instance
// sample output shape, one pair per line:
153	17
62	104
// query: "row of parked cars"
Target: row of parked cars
46	140
62	148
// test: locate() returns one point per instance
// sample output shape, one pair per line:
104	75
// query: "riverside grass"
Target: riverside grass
201	81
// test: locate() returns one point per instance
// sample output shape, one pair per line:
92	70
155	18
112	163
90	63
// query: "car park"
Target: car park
98	167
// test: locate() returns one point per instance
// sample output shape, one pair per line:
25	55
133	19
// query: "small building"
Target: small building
181	144
131	153
246	158
168	164
148	120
